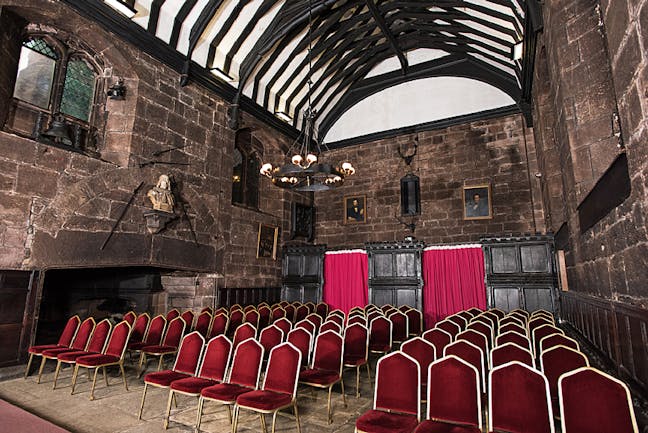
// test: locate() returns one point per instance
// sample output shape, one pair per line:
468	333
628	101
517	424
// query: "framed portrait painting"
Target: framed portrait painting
477	202
267	241
355	209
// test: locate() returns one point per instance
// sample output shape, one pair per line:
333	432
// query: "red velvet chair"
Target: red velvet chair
474	311
311	307
130	318
307	325
336	318
499	313
494	320
271	337
248	308
370	307
279	389
555	362
380	335
594	402
284	324
188	317
360	320
221	310
302	340
139	328
169	346
459	320
541	332
331	326
301	312
557	340
112	355
153	335
449	327
400	326
209	309
219	325
454	398
397	397
322	309
414	321
285	303
236	318
543	313
515	338
326	368
521	312
508	352
513	327
356	310
290	313
373	314
439	338
465	314
337	312
64	341
252	317
78	344
203	323
479	340
538	322
185	365
243	332
277	313
236	307
96	344
264	315
425	354
213	369
519	400
484	325
513	319
387	308
315	320
469	353
520	315
356	351
243	377
172	314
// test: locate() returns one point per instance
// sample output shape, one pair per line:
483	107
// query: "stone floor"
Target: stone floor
114	409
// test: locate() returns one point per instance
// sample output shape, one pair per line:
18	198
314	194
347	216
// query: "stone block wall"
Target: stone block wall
499	152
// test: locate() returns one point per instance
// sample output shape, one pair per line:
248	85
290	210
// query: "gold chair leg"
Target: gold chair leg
160	363
229	412
263	423
103	370
274	420
328	405
297	417
142	360
40	370
368	372
74	378
235	423
31	356
357	381
121	367
201	403
139	415
168	411
175	401
56	373
94	383
343	394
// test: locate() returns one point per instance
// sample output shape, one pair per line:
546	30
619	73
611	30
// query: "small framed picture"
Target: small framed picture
267	241
302	221
355	209
477	202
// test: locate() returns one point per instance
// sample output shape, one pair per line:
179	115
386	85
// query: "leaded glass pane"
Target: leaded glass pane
237	177
78	91
40	46
34	78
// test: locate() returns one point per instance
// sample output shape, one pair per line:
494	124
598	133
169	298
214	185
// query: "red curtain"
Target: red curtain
453	281
346	282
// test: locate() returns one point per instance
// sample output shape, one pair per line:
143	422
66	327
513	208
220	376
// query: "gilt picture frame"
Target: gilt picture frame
477	202
267	241
355	209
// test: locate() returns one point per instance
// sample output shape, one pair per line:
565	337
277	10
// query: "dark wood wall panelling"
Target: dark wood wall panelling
247	295
303	273
619	331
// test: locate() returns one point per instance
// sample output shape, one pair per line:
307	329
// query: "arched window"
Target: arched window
55	94
245	169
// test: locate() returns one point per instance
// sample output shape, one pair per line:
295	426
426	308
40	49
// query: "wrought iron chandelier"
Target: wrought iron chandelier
305	172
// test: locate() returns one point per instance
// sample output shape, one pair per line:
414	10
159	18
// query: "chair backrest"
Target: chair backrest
189	353
380	332
307	325
493	318
508	352
118	339
373	314
70	330
156	330
469	353
174	332
474	311
439	338
188	317
538	322
337	312
513	327
330	325
514	320
454	392
449	327
172	314
476	338
235	307
302	340
423	351
284	324
515	338
555	362
235	320
496	311
83	335
219	324
521	313
243	332
130	318
282	372
414	321
203	322
459	320
594	402
248	308
322	309
210	309
315	320
357	319
387	308
290	312
398	384
356	341
221	310
543	313
400	326
215	361
139	328
483	329
270	337
519	400
541	332
252	317
99	338
264	315
329	349
301	312
554	340
246	364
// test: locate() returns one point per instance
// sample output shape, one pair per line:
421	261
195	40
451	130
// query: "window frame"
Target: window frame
250	150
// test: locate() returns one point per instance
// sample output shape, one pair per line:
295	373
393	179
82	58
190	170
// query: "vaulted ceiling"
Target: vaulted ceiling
359	48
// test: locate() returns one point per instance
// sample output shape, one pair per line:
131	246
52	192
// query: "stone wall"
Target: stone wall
499	152
593	62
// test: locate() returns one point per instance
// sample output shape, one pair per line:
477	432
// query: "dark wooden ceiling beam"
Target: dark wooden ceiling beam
384	28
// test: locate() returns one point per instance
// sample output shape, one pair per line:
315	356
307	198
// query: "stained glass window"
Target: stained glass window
78	90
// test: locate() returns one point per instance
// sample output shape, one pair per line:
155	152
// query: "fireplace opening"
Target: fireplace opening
99	293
